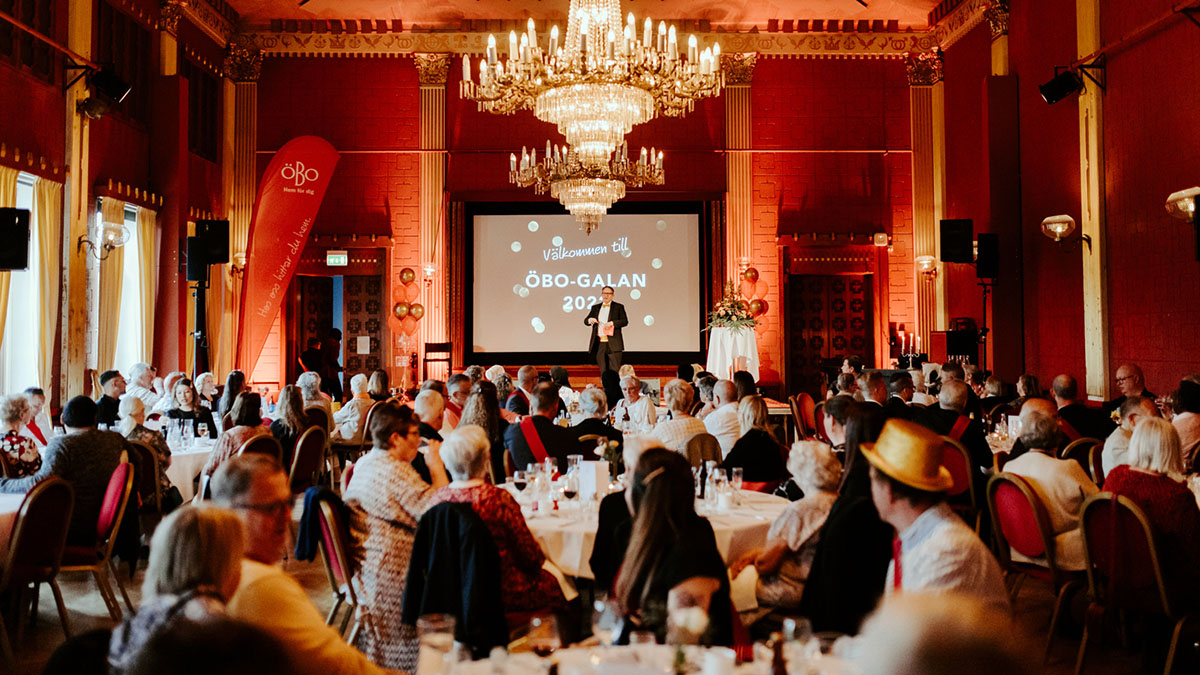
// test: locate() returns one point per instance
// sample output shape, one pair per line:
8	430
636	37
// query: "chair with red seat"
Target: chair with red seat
98	559
1124	571
307	459
316	415
819	421
1021	524
957	461
335	552
35	549
805	411
1096	464
265	444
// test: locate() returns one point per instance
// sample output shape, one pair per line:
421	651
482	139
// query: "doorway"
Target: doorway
353	304
829	317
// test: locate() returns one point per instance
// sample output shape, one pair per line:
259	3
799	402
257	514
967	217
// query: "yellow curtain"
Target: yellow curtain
112	270
8	198
147	233
47	201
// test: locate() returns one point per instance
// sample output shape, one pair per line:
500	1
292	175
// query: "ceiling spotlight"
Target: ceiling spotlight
1061	86
1182	204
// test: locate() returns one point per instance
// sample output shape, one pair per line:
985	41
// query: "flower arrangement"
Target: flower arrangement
732	311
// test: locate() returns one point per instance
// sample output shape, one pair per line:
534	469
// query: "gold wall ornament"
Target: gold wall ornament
169	13
432	69
738	67
243	62
925	69
996	15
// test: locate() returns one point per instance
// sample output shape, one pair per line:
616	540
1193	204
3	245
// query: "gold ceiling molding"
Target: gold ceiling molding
964	17
216	23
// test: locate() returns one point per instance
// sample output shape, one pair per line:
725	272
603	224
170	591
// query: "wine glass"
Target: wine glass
520	481
736	477
543	635
202	430
606	621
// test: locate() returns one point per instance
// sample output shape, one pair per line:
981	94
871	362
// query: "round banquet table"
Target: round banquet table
652	660
9	505
567	536
186	464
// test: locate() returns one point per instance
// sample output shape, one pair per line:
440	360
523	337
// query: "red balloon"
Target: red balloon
409	324
407	275
750	274
747	288
416	311
760	289
412	292
756	307
400	309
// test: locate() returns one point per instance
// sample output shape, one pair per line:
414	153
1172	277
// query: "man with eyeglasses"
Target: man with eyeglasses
256	488
1130	382
607	318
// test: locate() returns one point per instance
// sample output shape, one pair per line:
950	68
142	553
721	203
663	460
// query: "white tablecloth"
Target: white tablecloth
725	345
9	505
567	537
186	465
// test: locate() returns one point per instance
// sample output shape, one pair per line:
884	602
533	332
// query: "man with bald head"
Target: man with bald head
723	422
1076	419
949	418
518	401
1130	382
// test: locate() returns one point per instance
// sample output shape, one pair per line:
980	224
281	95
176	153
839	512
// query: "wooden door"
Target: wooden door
829	317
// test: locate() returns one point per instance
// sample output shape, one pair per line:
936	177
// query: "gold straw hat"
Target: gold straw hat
911	454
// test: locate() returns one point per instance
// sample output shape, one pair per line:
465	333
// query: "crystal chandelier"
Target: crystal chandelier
586	189
600	81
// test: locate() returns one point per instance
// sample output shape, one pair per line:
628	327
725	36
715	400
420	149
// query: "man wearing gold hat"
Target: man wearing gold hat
934	550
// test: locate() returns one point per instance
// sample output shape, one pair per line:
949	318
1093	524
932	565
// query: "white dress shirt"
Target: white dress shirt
723	423
602	318
148	396
1116	450
642	415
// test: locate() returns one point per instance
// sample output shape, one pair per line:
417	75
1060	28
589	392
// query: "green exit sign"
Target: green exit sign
336	258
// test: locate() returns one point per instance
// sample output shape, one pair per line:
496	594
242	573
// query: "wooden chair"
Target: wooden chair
98	559
1080	450
804	415
227	421
702	448
509	469
435	352
819	422
1021	524
366	442
335	548
307	459
319	417
1096	464
999	459
265	444
148	486
35	549
957	461
1124	571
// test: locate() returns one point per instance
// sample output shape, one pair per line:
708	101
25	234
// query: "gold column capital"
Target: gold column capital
996	14
432	69
738	68
169	13
243	62
924	69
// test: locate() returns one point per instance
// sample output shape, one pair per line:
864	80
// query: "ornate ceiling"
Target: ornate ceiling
728	14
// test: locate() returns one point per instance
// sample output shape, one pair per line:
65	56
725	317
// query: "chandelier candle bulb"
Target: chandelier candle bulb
693	50
512	162
647	32
554	40
491	50
612	39
466	61
531	33
660	159
672	46
662	35
513	54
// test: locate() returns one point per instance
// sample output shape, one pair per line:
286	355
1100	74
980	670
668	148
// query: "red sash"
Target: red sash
33	428
532	439
960	427
1069	430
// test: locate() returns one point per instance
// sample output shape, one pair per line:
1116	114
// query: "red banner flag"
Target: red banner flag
288	199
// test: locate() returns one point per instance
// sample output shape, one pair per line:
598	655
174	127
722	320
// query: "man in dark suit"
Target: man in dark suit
900	391
112	383
993	388
607	349
955	371
1076	419
944	417
518	401
557	441
1130	382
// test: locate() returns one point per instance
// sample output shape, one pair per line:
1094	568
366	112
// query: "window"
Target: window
20	48
131	346
21	345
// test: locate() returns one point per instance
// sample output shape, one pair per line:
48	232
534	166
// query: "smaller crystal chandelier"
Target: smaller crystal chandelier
585	188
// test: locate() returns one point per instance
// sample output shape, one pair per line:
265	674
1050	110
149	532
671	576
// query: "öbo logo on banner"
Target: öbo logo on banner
299	173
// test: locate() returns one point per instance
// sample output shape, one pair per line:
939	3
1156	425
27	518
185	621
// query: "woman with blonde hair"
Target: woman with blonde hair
195	566
289	421
784	562
760	456
19	455
679	429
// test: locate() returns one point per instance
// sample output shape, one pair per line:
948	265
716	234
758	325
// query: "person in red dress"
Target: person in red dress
1154	457
526	586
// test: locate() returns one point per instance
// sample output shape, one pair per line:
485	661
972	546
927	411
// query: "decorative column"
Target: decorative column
1091	180
927	103
431	74
77	213
996	15
739	174
242	68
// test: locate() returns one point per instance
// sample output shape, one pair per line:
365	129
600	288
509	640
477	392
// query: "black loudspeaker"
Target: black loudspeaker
987	265
956	241
197	264
14	232
214	237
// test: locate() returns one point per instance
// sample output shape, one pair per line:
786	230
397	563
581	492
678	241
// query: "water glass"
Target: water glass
606	621
573	463
736	476
543	635
436	635
549	467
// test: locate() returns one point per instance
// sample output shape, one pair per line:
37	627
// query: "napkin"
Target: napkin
742	589
564	584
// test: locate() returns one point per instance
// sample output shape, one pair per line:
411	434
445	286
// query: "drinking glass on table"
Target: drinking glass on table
606	621
543	635
736	475
520	481
201	430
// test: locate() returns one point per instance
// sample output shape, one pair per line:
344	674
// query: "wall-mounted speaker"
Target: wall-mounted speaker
987	265
214	238
957	240
14	232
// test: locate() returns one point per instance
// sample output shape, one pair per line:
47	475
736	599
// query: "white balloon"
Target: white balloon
516	246
648	320
524	292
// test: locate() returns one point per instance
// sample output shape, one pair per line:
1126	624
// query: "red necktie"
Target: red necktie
898	571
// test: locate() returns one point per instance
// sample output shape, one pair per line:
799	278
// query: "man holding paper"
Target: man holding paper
607	319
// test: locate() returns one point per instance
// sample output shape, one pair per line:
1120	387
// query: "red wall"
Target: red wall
31	116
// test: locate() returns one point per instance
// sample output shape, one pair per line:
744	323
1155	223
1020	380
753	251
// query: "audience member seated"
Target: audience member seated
256	488
526	586
1187	422
310	389
864	423
167	400
783	563
37	427
635	412
1133	410
921	394
1027	388
112	384
873	387
834	419
537	437
386	499
672	561
562	379
459	385
132	426
595	422
206	391
934	550
235	383
1077	420
757	452
482	409
1060	484
493	373
475	373
1130	382
289	421
378	387
218	645
519	401
1149	480
20	456
610	383
428	407
744	381
954	372
616	519
852	365
185	405
949	418
704	384
723	421
847	385
679	427
350	418
194	569
144	384
85	458
247	423
993	389
900	392
504	390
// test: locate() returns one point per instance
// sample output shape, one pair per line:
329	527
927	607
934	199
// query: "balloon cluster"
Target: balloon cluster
406	312
755	292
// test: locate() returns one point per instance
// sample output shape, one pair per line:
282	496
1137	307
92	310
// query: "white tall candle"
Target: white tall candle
647	29
553	40
532	34
693	51
491	50
466	68
513	54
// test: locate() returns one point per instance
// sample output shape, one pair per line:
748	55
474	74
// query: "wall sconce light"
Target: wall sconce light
927	265
108	237
238	268
429	269
1060	227
1182	204
880	239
